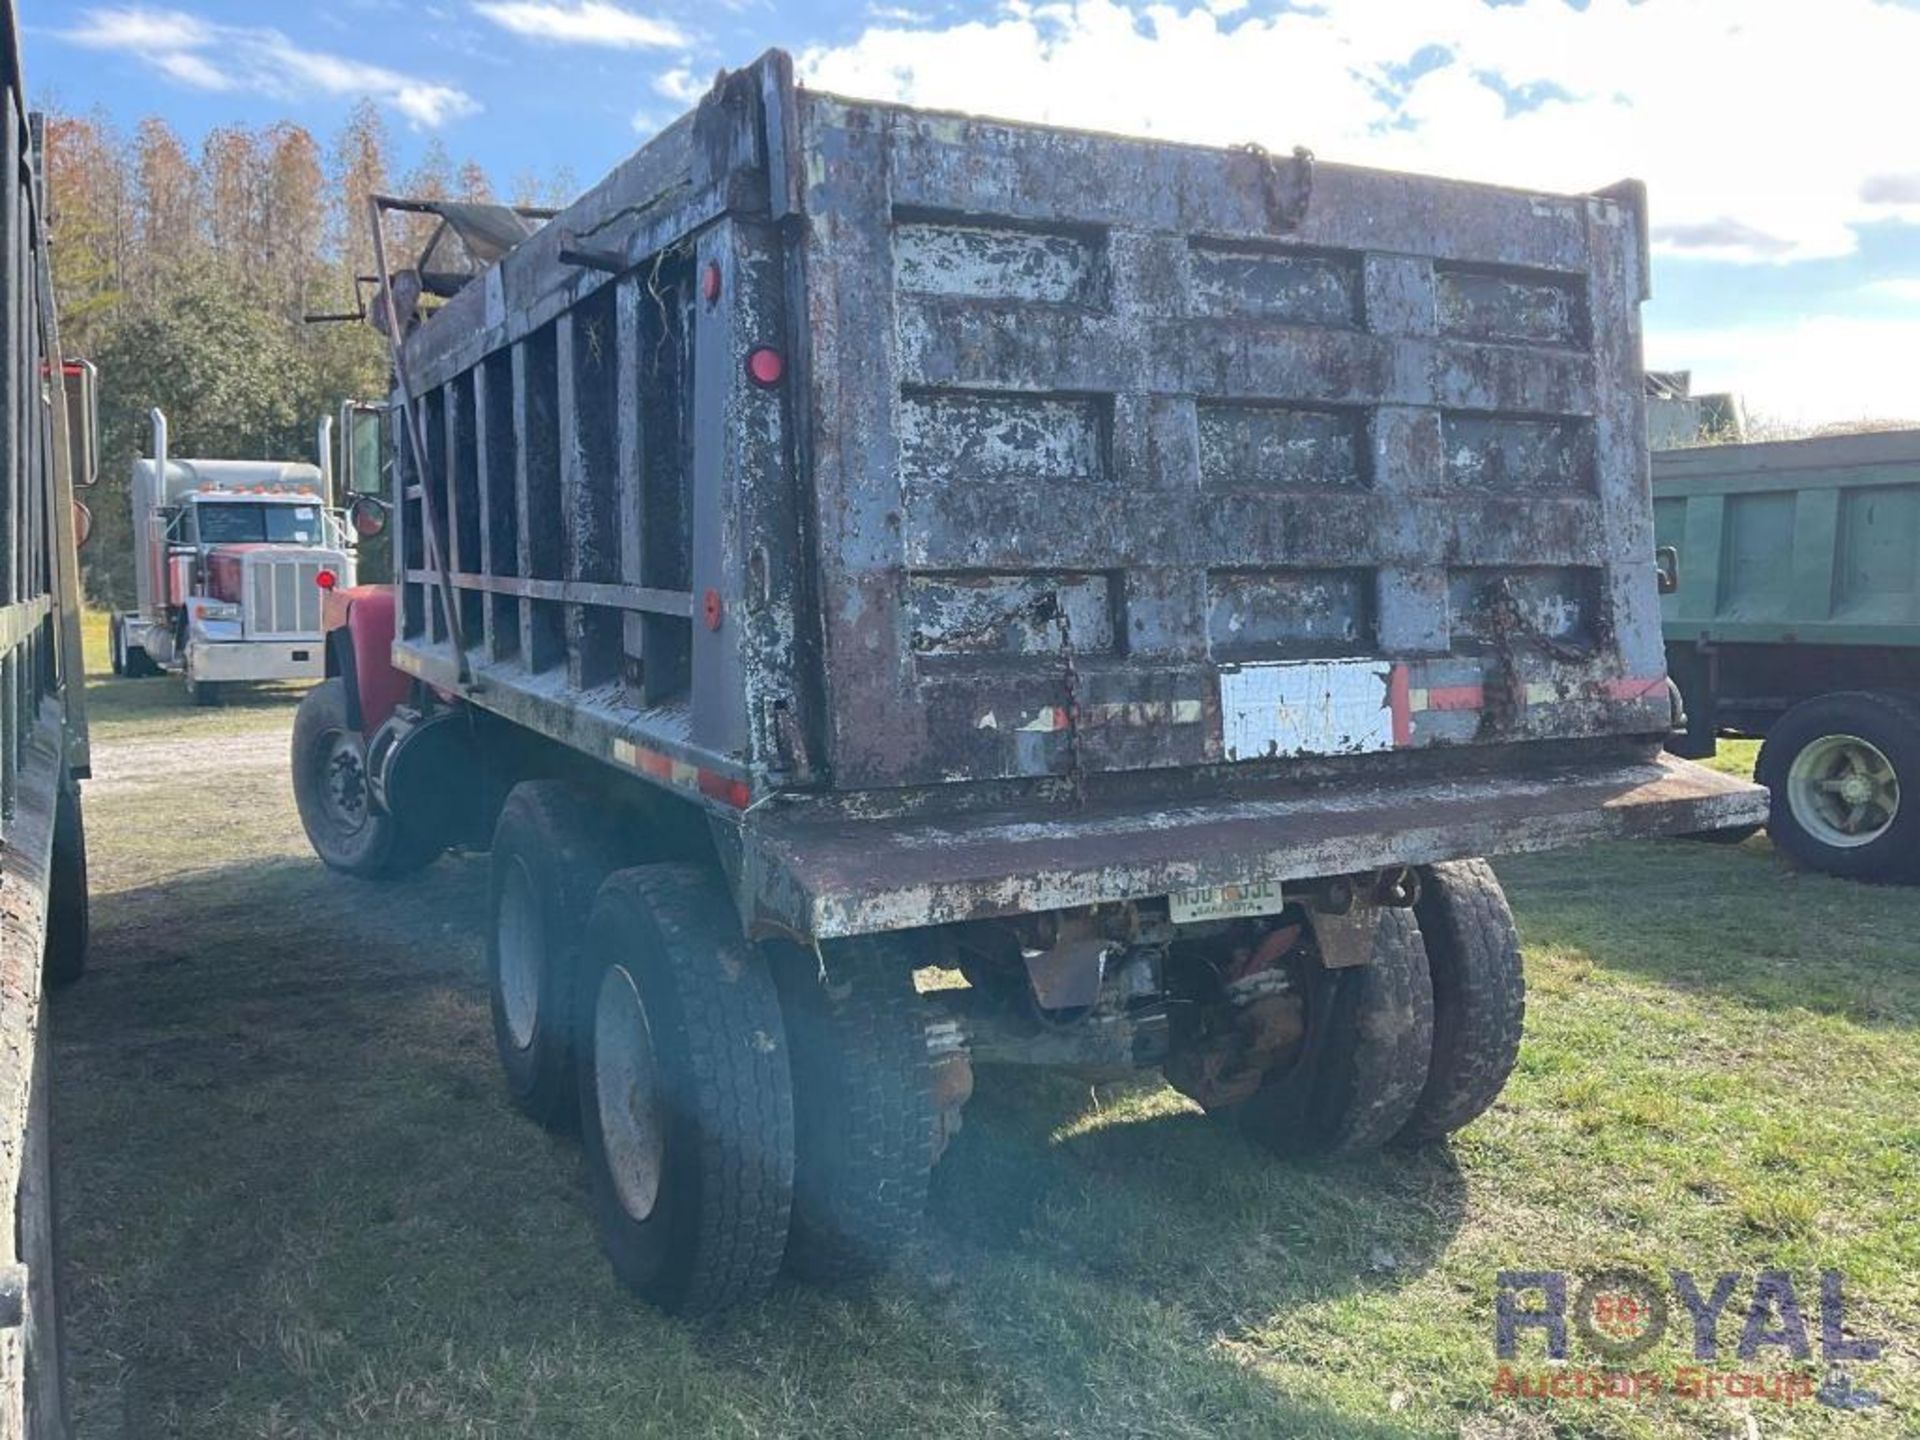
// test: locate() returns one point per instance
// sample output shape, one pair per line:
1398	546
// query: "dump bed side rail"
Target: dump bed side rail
615	498
43	748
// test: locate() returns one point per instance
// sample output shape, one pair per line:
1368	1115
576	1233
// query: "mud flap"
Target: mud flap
431	774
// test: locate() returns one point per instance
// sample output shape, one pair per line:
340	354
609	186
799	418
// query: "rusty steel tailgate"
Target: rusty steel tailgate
837	877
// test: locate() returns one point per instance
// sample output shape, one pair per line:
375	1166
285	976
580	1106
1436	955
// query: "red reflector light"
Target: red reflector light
765	366
710	282
326	579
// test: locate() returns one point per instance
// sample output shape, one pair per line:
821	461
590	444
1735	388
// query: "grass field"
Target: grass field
295	1201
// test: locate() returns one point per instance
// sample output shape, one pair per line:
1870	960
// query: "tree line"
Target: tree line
185	274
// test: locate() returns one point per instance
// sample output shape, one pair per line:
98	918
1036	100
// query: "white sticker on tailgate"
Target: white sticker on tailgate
1305	707
1221	902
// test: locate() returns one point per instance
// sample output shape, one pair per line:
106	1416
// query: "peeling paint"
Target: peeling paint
1104	479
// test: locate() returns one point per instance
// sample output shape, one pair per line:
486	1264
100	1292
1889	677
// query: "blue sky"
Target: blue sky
1780	138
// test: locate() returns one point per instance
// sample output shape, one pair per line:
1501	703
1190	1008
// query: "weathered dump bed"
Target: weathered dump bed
1004	516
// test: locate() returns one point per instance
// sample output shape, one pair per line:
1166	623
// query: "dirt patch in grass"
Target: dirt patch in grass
296	1202
177	761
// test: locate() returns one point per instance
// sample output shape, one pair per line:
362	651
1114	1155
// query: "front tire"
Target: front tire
330	790
1360	1070
551	851
686	1101
203	693
1844	773
864	1117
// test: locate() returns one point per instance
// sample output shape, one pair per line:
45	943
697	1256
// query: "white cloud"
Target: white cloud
210	56
582	22
1752	148
140	30
680	84
1816	370
1904	288
192	69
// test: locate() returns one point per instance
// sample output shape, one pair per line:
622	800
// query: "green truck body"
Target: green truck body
1810	542
1796	618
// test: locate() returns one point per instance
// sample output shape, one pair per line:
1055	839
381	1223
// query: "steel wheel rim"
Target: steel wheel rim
343	782
1842	790
522	954
627	1093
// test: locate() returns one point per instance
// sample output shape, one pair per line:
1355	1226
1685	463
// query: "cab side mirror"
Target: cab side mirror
368	516
1666	564
363	448
81	378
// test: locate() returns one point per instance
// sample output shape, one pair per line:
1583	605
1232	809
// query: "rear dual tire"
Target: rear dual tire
865	1123
129	660
685	1093
551	851
1479	997
1414	1045
1356	1077
739	1109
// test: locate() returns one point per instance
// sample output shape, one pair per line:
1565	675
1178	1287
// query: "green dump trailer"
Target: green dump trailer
1796	619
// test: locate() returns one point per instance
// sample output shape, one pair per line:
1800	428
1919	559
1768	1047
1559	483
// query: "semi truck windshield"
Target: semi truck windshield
229	523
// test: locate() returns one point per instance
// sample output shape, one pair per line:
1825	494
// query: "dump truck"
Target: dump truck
1127	585
1795	618
49	444
230	558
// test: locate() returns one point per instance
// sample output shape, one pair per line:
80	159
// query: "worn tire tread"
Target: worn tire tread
1479	996
571	843
864	1117
722	1023
1375	1067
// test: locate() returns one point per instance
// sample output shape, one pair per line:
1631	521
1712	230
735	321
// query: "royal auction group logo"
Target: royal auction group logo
1620	1316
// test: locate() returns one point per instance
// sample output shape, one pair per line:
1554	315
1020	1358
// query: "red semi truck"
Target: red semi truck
1140	579
225	556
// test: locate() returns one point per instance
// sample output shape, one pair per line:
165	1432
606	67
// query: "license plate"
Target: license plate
1224	902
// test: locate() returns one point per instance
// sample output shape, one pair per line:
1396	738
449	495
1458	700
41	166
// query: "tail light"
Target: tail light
223	578
326	579
765	367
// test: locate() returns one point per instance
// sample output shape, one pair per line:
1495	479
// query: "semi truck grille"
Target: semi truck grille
282	596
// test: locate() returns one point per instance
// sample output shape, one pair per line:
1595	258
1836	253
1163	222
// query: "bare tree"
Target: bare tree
89	214
359	170
166	212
